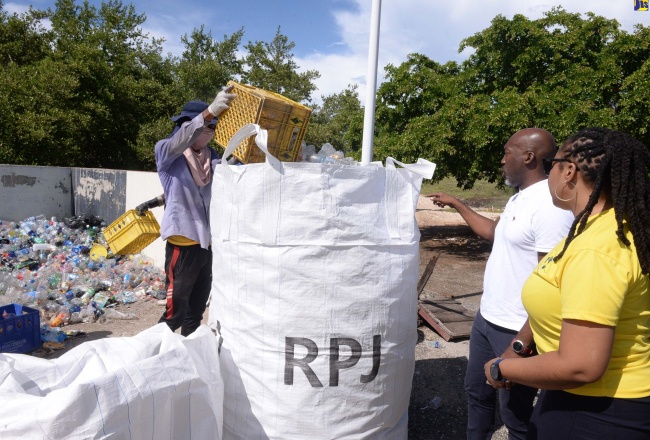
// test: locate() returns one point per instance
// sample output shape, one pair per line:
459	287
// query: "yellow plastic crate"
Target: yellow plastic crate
285	120
131	233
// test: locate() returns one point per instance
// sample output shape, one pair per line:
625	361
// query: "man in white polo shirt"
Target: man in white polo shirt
529	227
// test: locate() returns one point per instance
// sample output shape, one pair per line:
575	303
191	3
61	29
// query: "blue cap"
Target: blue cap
190	111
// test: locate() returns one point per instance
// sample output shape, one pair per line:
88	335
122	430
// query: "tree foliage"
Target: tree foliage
561	72
271	67
339	121
84	99
206	64
94	90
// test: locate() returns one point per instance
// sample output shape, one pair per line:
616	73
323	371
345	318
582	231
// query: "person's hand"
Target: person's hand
142	208
441	199
495	383
222	102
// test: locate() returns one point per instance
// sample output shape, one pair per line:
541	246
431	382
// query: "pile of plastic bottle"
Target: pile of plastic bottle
327	154
53	266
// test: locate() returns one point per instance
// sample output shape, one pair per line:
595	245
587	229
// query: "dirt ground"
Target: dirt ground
439	371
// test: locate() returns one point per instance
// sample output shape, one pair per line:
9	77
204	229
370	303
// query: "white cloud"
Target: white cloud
13	8
172	27
337	72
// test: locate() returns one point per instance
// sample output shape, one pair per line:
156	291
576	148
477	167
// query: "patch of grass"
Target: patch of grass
484	195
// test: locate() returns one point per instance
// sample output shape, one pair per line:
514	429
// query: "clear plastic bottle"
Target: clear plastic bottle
115	314
307	151
27	229
126	280
23	254
35	218
76	317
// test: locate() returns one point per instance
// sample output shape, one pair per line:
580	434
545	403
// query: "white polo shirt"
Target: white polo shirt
530	223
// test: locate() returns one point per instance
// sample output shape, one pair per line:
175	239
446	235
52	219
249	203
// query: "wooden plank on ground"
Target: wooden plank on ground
426	274
449	318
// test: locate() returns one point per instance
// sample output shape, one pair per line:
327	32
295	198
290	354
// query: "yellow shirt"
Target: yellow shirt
598	279
179	240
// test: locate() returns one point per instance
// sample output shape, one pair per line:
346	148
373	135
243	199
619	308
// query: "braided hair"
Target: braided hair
619	165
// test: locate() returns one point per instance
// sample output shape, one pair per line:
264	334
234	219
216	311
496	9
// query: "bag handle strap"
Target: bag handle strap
261	139
422	167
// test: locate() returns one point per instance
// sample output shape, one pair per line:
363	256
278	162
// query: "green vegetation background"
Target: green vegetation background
484	195
91	89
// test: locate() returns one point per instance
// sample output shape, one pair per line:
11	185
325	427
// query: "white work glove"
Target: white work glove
220	103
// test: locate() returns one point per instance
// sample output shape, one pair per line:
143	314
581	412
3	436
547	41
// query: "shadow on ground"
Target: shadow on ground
70	343
458	241
434	378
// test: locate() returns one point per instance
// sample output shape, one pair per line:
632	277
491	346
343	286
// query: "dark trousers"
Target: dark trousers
188	280
486	342
562	415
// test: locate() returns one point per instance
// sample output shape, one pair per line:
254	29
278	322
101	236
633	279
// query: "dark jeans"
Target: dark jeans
562	415
188	279
486	342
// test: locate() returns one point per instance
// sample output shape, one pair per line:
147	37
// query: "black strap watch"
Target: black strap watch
520	348
495	371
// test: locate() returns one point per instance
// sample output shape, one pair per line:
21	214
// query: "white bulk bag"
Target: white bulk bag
314	296
155	385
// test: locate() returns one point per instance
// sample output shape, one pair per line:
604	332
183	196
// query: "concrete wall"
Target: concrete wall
64	191
99	192
28	191
140	187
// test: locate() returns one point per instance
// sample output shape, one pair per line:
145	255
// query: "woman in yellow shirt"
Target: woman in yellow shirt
588	301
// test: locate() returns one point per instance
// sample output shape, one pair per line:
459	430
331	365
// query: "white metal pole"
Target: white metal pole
371	85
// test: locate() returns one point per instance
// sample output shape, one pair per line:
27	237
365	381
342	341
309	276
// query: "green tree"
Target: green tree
83	102
207	65
270	66
633	107
413	94
561	72
23	39
339	121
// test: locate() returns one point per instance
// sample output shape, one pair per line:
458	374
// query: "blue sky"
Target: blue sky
332	36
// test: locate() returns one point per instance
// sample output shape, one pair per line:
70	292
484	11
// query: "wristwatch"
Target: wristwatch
495	371
520	348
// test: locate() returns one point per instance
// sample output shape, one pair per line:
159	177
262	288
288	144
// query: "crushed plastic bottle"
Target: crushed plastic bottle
436	403
125	297
114	314
46	264
101	298
327	154
52	334
57	320
307	151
